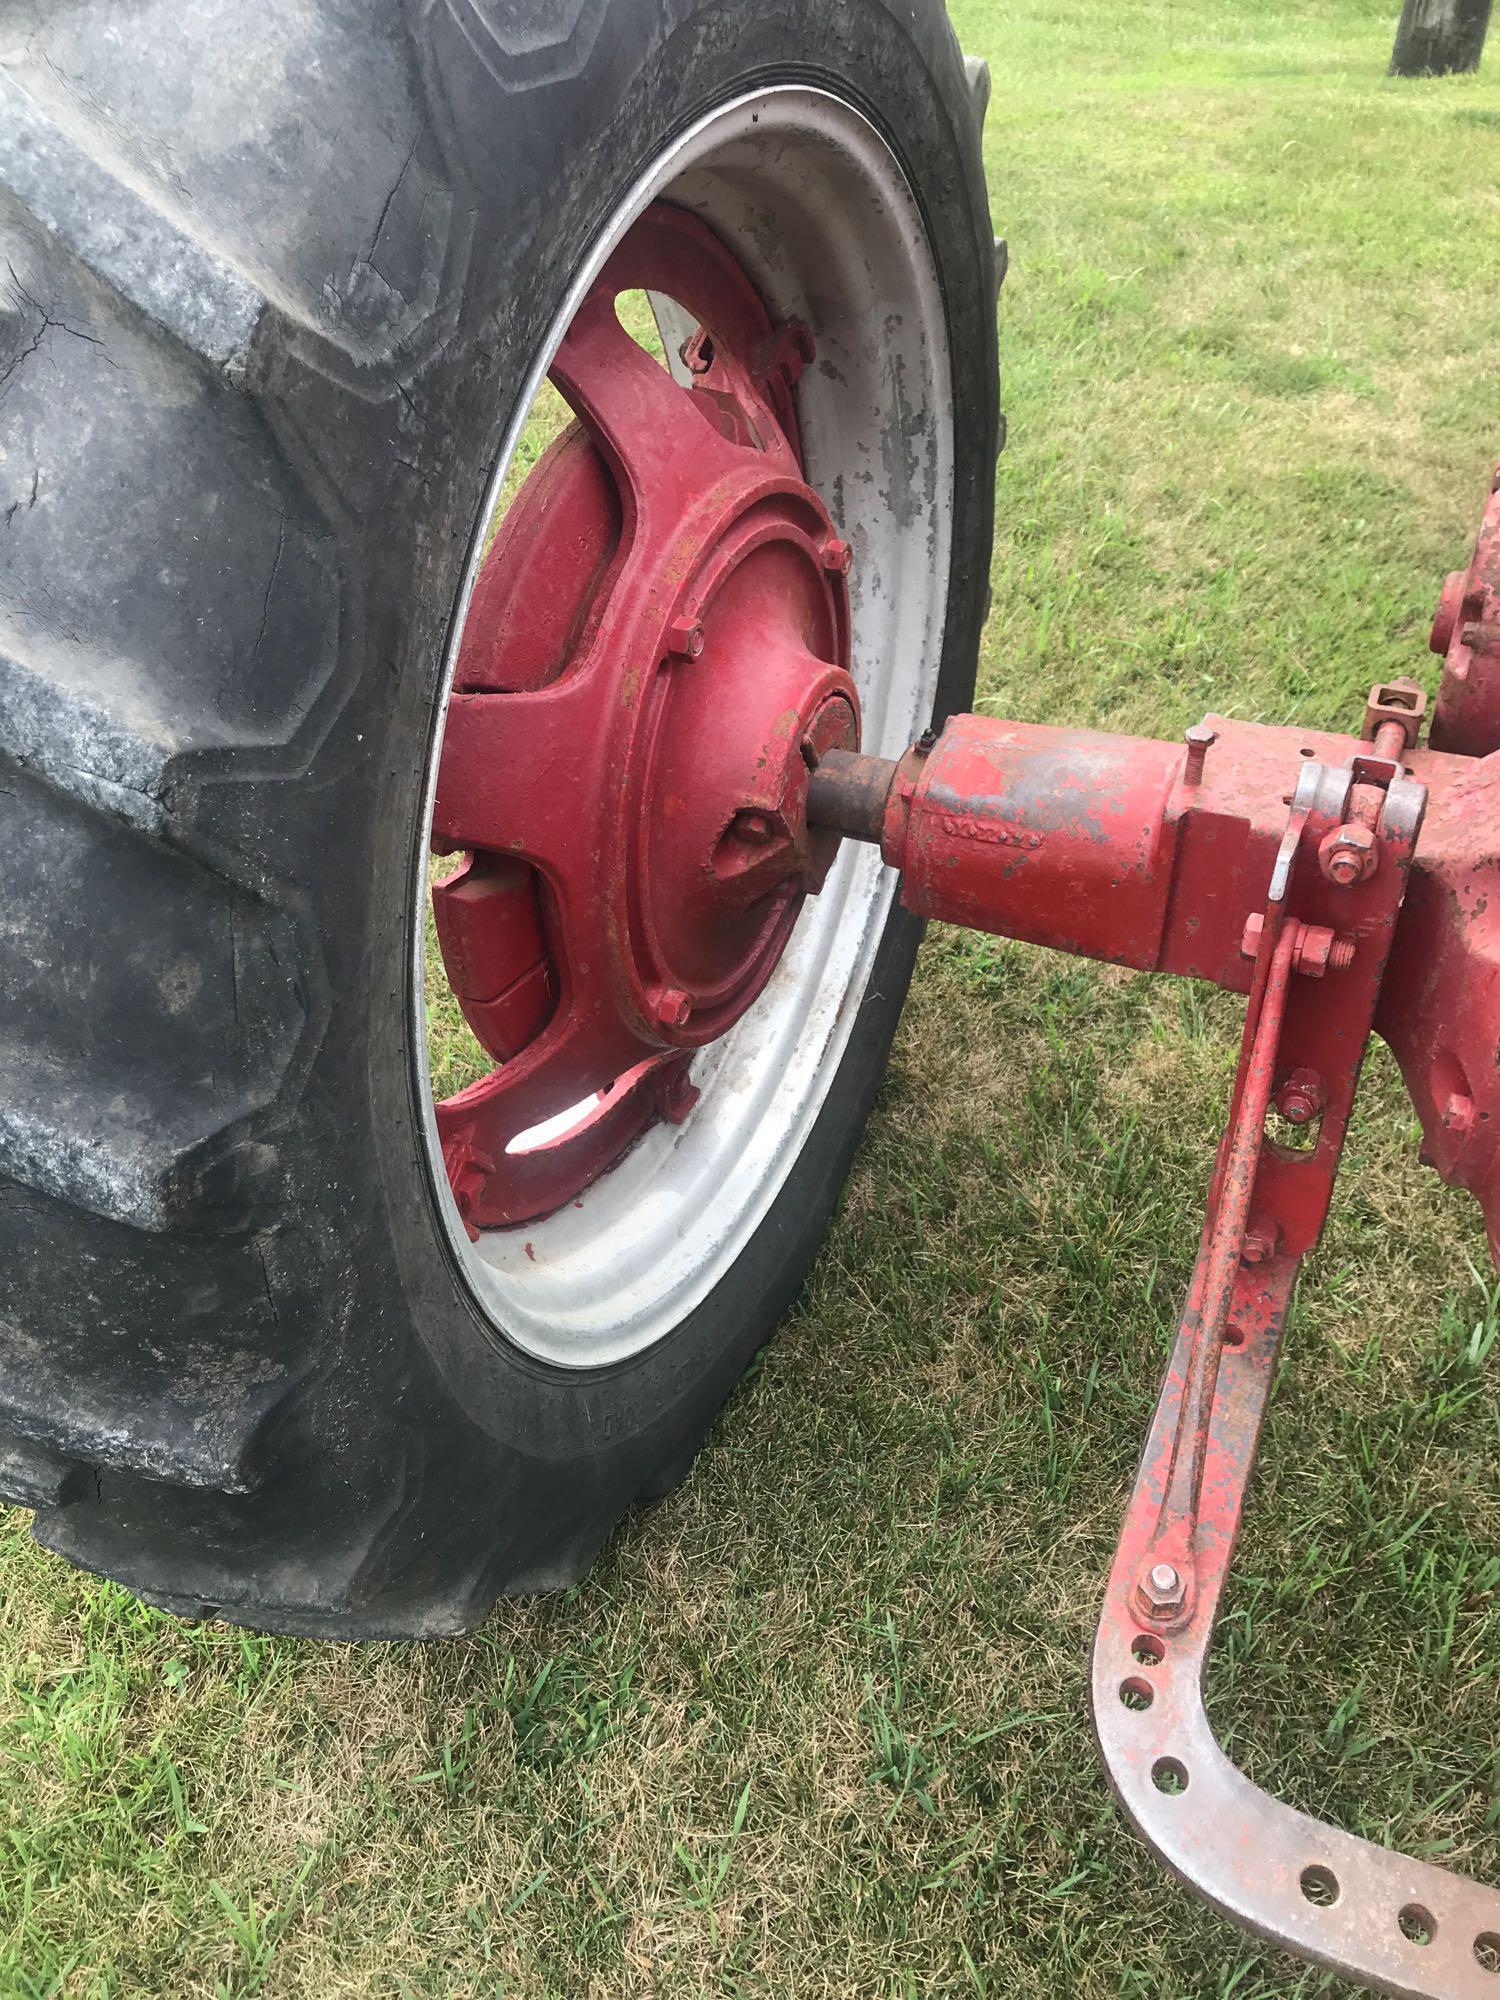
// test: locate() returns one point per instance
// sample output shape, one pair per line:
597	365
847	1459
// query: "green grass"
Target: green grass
817	1725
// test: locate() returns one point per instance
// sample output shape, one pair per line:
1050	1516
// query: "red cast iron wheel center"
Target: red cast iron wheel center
655	658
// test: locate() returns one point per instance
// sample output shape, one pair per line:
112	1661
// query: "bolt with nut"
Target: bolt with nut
1302	1097
1349	854
685	639
1161	1590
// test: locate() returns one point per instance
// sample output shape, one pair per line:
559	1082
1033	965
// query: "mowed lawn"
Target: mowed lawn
817	1724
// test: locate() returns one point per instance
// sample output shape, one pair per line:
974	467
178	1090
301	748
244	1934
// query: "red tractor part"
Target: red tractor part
1346	885
655	659
650	754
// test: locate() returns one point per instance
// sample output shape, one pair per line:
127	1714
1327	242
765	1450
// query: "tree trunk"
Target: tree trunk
1439	37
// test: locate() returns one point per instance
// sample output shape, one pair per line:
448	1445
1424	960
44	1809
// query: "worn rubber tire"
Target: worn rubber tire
276	279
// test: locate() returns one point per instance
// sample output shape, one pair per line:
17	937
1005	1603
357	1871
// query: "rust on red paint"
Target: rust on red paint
1137	860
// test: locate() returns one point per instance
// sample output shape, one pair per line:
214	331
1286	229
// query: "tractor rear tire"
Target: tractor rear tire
277	283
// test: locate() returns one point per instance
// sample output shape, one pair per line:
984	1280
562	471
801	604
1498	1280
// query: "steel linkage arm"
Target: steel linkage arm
1286	864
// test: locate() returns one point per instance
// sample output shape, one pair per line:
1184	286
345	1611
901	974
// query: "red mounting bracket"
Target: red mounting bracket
1403	1925
1156	855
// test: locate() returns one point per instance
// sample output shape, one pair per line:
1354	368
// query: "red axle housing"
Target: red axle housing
1154	855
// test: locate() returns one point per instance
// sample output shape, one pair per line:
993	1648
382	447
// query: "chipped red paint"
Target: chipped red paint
656	654
1337	1899
1109	846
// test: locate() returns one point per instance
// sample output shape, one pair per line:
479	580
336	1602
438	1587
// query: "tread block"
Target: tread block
128	604
152	1005
238	148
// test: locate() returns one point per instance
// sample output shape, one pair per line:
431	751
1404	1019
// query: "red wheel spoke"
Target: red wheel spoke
489	925
657	437
738	355
516	770
577	1060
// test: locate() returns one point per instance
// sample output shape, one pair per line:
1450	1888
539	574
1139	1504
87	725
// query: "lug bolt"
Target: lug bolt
1348	854
670	1007
753	827
837	556
1255	924
685	639
1302	1097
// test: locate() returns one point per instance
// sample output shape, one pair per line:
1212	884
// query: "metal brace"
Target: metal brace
1405	1926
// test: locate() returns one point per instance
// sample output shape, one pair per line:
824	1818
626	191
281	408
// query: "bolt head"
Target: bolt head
754	827
685	639
1255	924
670	1007
837	556
1162	1590
1349	854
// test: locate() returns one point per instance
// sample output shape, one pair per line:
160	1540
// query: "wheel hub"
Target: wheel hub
655	659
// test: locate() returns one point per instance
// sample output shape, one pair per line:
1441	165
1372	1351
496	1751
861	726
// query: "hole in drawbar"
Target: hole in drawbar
1136	1693
1147	1650
1320	1885
1417	1925
1487	1951
1169	1775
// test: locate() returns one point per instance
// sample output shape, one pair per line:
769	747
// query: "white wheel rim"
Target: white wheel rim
815	206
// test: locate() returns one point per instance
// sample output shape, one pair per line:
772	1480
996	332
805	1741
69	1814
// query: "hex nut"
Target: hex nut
1349	854
1162	1590
670	1007
1302	1097
1260	1244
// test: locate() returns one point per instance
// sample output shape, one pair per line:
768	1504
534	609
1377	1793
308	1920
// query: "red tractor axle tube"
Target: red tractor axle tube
1156	855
